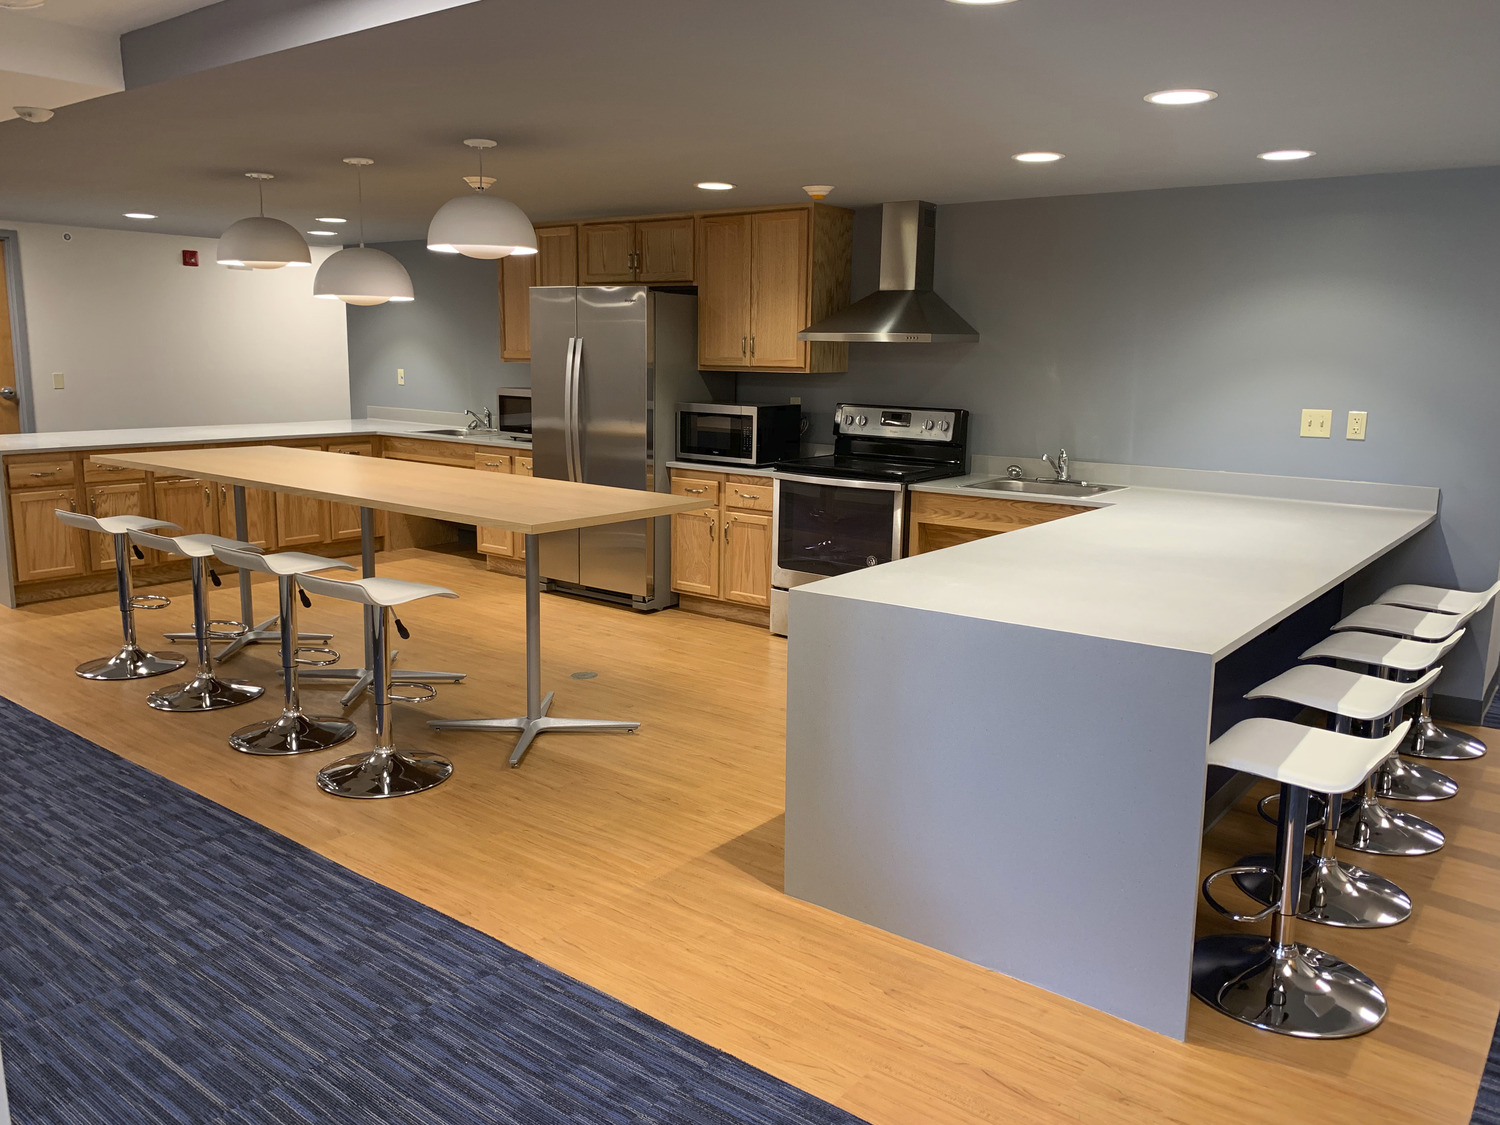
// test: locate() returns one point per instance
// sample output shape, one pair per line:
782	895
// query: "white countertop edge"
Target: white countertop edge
70	441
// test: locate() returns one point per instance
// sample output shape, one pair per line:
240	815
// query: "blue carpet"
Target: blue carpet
1492	716
165	960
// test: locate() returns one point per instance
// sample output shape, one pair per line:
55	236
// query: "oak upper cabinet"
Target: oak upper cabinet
649	252
606	253
554	263
128	499
763	276
44	546
664	251
260	515
491	540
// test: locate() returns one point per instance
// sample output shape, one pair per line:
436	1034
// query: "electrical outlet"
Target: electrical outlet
57	380
400	376
1356	429
1317	423
796	400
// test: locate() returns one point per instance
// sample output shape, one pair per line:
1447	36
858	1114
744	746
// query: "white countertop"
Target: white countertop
1186	570
71	440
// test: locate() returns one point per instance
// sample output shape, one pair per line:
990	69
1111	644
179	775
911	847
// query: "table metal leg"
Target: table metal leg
363	677
536	720
267	631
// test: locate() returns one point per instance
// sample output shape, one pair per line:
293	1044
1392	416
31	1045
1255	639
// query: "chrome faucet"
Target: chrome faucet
485	423
1058	464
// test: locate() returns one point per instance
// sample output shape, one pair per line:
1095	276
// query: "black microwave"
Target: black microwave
737	434
514	416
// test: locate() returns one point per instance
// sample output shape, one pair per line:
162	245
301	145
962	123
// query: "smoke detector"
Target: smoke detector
818	191
33	113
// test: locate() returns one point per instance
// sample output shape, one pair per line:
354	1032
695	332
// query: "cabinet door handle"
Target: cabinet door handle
742	346
726	530
752	347
94	505
696	491
746	495
208	496
492	464
110	468
72	505
711	523
47	473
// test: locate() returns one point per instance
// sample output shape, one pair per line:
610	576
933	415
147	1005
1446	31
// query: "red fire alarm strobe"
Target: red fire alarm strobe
190	257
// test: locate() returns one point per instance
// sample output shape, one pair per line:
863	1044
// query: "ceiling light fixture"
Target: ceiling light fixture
261	243
323	233
1181	97
1037	157
362	275
715	185
981	1
139	215
818	191
329	219
480	225
1280	154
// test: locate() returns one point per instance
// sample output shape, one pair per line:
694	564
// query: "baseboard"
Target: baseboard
1459	709
730	611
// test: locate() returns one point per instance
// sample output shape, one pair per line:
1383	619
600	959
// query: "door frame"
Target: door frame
19	343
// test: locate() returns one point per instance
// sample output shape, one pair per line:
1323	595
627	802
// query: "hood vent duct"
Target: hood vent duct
904	310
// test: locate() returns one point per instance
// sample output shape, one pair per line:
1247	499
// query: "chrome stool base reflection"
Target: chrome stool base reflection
205	692
394	773
1370	827
1437	743
132	662
292	733
1400	780
1292	989
1334	893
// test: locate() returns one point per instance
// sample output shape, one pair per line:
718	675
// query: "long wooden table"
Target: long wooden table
531	506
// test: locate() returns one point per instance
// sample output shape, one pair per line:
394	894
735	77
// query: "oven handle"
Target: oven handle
838	482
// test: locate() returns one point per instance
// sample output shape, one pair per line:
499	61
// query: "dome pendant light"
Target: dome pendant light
362	275
480	225
259	243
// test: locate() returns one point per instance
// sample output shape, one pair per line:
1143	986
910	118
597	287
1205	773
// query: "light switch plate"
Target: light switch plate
1317	423
57	380
1356	428
401	376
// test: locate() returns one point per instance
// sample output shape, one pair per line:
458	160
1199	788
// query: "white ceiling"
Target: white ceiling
606	107
114	16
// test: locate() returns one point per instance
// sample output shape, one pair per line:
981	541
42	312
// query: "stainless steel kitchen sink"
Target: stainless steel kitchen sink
458	433
1043	487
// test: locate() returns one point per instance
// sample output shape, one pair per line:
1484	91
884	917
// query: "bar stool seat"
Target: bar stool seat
385	771
1277	983
205	691
1439	599
132	662
1340	692
1381	650
293	732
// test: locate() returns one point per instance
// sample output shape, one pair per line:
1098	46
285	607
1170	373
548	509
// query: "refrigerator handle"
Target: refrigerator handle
568	405
575	466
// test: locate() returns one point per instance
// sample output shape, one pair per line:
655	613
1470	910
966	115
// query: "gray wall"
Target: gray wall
447	340
1190	327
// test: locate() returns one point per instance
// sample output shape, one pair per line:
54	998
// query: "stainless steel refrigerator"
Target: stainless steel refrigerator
608	366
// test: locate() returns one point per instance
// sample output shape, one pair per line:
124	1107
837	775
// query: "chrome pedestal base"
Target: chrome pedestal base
364	678
1370	827
530	728
1428	740
292	733
132	662
1334	893
384	773
1400	780
1291	989
205	692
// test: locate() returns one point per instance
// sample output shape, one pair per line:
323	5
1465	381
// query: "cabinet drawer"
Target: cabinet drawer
432	452
703	488
95	473
492	462
49	473
753	493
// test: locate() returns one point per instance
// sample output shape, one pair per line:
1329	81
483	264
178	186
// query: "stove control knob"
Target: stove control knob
930	424
848	419
943	425
861	420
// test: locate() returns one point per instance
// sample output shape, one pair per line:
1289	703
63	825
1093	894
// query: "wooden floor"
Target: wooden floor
650	866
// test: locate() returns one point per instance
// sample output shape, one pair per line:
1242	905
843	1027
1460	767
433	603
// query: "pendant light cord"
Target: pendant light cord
260	193
359	180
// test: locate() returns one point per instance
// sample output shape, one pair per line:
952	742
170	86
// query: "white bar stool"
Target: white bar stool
205	691
384	771
1428	739
294	732
1335	893
1396	658
1277	983
132	662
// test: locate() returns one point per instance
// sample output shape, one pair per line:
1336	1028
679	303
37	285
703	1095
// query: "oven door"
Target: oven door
704	435
825	527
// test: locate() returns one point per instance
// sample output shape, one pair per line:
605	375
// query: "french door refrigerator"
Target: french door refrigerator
608	366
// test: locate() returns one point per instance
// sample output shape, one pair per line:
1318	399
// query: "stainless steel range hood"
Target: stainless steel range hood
904	310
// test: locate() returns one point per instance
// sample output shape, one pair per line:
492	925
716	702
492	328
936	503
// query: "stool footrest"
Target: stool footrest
429	693
224	630
1315	800
1242	869
332	656
150	601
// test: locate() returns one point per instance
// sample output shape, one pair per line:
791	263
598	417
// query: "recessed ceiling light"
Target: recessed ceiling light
1287	154
1181	97
715	185
1035	157
329	219
980	1
139	215
323	232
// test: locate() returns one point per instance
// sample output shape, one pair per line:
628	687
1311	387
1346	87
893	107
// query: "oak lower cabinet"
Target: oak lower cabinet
260	516
187	502
301	521
721	553
343	519
102	500
941	520
44	546
493	542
